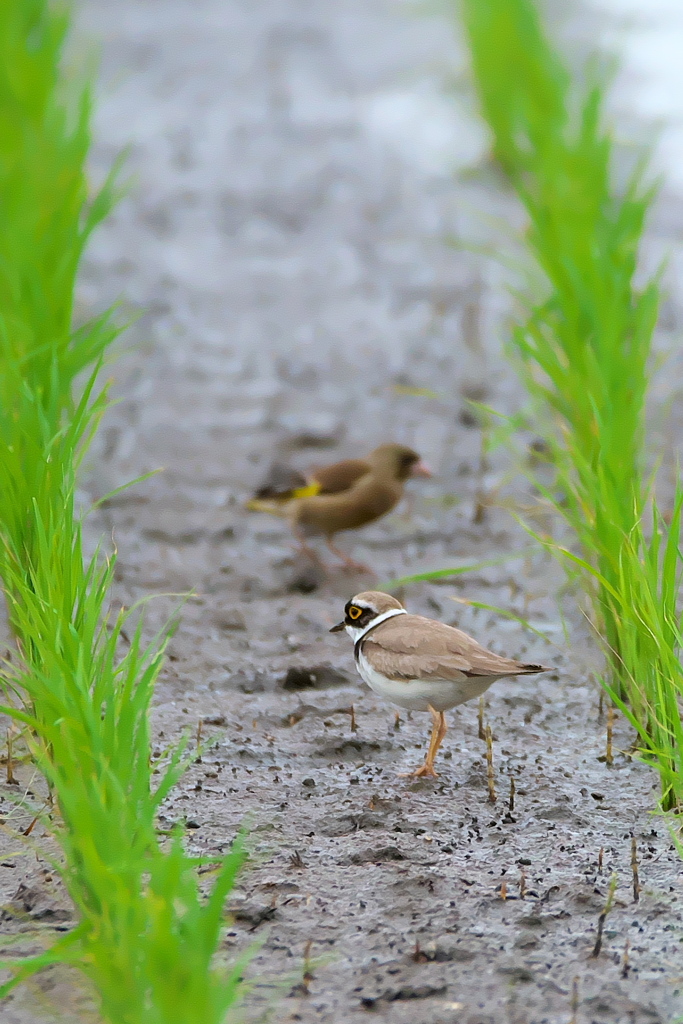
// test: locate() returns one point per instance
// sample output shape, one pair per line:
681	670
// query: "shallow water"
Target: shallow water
648	38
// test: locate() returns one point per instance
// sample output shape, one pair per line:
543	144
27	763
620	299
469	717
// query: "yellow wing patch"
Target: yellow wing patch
309	491
278	506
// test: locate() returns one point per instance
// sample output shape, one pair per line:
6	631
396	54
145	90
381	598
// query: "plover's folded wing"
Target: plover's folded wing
413	647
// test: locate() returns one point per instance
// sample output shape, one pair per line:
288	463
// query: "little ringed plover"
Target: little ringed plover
419	663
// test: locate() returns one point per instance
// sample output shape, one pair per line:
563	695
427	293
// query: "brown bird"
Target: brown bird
352	494
419	663
345	495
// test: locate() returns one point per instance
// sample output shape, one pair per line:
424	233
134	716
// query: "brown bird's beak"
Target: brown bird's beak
421	469
338	628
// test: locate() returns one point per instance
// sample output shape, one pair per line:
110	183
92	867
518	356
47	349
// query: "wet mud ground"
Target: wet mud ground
306	292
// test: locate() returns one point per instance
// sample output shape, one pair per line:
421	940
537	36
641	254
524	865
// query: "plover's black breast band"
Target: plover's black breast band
358	646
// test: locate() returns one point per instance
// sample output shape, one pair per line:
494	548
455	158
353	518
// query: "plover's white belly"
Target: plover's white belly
421	694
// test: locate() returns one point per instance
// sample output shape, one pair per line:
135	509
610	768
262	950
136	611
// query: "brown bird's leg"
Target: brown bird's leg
306	549
439	730
348	562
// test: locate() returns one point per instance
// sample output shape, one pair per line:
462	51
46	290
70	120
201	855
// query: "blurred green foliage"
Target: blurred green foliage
146	936
584	353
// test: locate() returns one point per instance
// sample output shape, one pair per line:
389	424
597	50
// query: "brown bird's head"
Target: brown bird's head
396	462
365	610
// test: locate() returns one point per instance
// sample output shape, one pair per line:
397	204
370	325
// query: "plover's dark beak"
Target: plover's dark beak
421	469
338	628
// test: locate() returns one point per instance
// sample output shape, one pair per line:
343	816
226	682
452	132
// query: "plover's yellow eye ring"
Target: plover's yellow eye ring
354	612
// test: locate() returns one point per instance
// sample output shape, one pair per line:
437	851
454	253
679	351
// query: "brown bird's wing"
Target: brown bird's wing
328	514
413	647
340	476
283	483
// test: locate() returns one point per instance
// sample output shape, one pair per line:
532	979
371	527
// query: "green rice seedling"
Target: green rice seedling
585	347
525	111
434	575
47	213
644	605
584	352
146	936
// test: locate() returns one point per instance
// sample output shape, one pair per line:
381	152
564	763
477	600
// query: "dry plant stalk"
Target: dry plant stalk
575	1001
480	719
482	497
511	801
609	757
418	956
634	869
625	962
503	890
307	976
489	765
11	778
601	855
609	902
479	509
